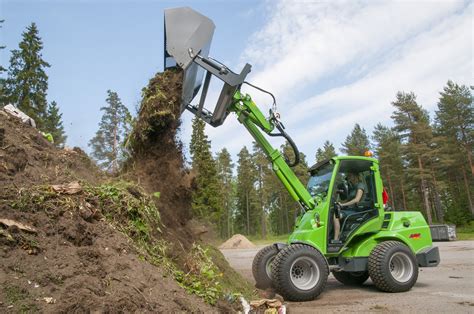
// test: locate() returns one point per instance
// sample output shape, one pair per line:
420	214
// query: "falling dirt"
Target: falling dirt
157	162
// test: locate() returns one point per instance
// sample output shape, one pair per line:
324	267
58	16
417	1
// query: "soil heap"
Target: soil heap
237	241
74	240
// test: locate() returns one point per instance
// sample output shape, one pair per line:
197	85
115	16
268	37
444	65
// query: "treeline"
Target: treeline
26	85
426	165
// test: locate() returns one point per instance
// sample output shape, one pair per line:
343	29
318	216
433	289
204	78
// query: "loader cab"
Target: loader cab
333	181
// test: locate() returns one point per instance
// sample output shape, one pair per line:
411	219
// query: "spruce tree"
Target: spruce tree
413	126
27	83
224	172
326	152
2	69
2	80
357	143
106	144
206	199
53	124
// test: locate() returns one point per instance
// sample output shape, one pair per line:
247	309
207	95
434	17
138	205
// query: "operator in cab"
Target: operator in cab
356	192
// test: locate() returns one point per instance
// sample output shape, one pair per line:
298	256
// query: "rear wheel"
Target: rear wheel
299	272
262	266
351	278
393	267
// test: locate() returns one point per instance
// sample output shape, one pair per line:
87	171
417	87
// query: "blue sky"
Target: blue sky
330	64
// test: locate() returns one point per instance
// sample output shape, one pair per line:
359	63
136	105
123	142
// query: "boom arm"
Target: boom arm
188	36
252	118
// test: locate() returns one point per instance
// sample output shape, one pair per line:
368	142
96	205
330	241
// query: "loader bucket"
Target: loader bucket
187	33
188	36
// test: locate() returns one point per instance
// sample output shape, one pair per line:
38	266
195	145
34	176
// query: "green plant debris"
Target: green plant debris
18	297
133	212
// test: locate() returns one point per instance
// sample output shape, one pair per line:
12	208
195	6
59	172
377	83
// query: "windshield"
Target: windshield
318	184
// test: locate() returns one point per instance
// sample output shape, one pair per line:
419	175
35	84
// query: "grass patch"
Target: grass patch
19	297
465	232
257	240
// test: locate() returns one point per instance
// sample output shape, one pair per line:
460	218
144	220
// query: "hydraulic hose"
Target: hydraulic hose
285	135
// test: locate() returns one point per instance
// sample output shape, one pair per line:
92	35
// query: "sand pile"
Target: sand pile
237	241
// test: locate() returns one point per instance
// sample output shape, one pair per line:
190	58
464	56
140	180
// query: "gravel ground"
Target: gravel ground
446	288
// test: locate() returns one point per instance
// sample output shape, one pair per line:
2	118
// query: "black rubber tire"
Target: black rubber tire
259	264
281	272
351	278
379	266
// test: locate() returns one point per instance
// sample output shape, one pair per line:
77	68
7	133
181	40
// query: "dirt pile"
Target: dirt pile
237	241
26	158
71	257
123	244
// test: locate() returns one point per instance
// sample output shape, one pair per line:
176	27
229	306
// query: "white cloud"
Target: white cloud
343	63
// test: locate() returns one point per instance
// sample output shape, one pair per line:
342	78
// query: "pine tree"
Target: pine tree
247	212
454	122
327	152
413	126
388	151
225	175
206	199
264	176
106	144
357	143
284	208
27	82
53	124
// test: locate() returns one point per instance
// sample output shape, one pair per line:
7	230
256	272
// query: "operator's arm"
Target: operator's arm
355	200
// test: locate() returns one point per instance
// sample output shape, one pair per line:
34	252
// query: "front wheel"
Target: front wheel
299	272
393	267
261	266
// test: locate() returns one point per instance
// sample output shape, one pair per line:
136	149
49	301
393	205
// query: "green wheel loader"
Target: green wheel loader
386	246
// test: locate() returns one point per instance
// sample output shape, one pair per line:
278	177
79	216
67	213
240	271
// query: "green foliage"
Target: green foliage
328	151
465	231
113	128
388	150
128	207
207	199
246	212
283	208
202	277
2	80
27	83
54	125
226	182
357	143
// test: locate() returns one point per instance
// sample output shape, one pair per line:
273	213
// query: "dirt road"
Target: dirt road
446	288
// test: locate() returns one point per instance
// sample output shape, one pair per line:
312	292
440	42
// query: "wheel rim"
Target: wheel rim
401	267
304	273
268	266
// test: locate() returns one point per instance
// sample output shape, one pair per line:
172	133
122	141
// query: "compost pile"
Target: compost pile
74	240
